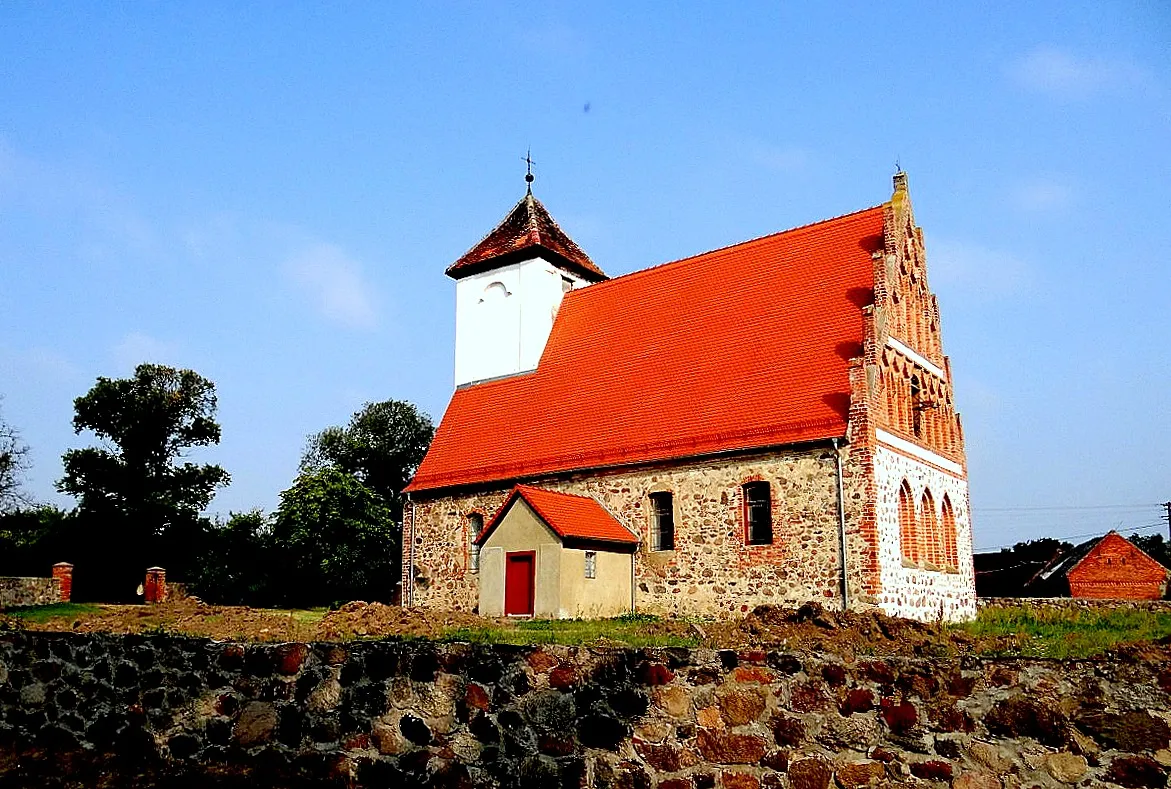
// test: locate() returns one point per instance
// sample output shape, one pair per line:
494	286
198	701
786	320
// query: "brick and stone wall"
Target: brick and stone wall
98	710
712	571
17	591
917	590
21	591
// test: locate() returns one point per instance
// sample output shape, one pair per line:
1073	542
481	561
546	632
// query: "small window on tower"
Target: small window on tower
758	514
662	522
591	564
566	284
475	526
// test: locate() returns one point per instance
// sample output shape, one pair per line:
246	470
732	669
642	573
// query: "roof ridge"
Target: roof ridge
726	247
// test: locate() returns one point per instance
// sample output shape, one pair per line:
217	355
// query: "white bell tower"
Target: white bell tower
508	288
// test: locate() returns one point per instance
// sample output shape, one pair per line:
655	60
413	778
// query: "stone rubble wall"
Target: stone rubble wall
100	710
18	591
712	572
1074	604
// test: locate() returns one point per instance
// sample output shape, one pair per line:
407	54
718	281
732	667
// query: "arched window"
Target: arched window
950	555
908	539
932	549
758	513
495	291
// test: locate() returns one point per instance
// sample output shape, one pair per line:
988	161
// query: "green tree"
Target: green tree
139	505
32	539
335	539
381	447
238	564
13	464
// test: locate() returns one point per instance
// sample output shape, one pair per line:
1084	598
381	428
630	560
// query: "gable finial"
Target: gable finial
528	160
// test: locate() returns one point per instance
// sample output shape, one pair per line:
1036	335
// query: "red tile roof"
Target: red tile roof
570	516
740	348
527	227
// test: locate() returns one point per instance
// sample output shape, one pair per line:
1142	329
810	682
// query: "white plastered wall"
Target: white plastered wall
914	592
503	318
607	594
521	530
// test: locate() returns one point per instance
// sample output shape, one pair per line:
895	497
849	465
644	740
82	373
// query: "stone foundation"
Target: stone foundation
98	710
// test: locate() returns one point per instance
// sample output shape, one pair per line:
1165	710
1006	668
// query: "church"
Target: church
771	422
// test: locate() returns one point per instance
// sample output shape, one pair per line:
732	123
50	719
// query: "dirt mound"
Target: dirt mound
812	627
361	620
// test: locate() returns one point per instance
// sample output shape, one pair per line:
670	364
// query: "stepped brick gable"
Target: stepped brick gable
773	420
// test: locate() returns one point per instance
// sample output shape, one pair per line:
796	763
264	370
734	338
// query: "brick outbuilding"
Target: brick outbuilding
1104	568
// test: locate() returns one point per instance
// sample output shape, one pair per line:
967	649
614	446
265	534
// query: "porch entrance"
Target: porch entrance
519	583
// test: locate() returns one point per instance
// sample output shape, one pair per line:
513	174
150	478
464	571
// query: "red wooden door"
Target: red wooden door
518	583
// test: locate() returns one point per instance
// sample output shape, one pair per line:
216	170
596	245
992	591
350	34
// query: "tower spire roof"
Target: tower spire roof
527	228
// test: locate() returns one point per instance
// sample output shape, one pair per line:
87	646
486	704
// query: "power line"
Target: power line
1047	508
1070	537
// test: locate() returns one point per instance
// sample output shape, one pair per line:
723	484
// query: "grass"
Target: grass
39	614
1077	633
630	630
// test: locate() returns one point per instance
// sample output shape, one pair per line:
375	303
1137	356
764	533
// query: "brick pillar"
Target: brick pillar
63	572
155	588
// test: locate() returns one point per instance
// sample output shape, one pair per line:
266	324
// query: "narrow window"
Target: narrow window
907	538
475	526
662	522
566	284
916	407
951	555
758	513
591	564
929	531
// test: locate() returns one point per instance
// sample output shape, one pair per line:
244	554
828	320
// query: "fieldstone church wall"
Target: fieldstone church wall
97	710
712	571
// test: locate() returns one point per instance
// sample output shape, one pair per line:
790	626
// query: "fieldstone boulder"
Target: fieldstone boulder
725	748
256	723
811	773
1137	772
1069	768
1024	716
854	775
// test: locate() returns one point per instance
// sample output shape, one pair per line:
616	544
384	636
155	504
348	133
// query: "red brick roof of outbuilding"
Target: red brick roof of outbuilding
527	227
569	515
741	348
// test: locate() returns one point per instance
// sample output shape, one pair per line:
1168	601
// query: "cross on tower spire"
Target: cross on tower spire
528	160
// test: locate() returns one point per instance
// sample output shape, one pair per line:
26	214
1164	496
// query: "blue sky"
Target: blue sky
269	194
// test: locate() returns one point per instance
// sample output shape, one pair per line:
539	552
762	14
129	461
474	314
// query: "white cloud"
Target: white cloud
1059	73
1043	195
977	270
137	348
333	282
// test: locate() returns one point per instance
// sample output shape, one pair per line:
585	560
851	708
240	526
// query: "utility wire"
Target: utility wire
1048	508
1069	537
